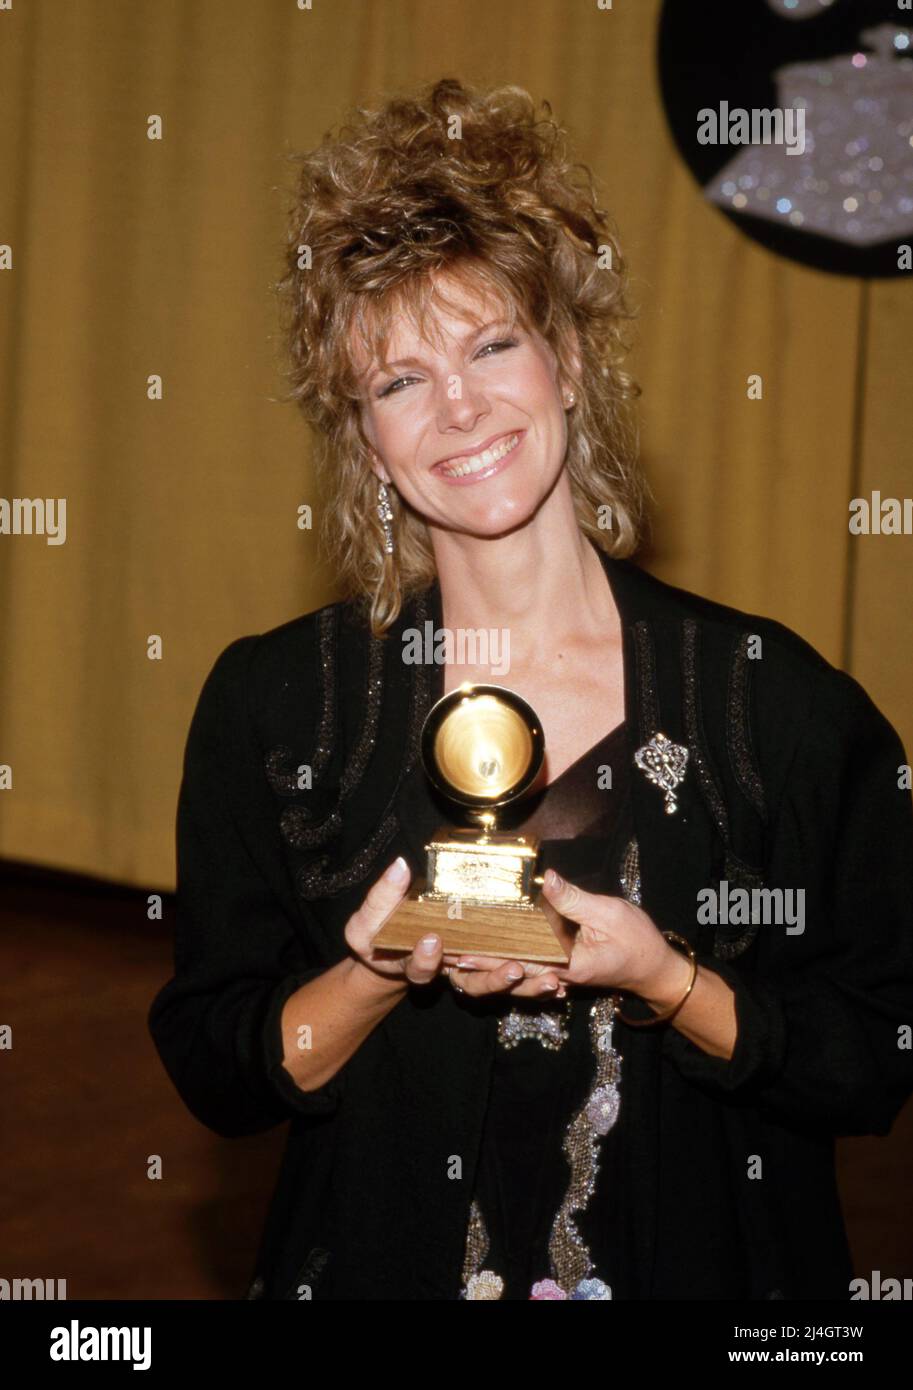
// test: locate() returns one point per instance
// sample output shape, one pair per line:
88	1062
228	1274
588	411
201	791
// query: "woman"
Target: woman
657	1118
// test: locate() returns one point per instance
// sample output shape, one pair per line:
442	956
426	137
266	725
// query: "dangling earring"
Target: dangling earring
385	512
570	399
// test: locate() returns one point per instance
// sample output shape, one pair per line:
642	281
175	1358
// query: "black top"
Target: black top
792	782
523	1173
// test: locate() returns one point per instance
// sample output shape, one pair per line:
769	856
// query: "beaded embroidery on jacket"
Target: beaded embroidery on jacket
299	830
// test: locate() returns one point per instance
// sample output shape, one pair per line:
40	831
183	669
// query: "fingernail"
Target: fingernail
428	943
515	972
553	880
397	870
546	988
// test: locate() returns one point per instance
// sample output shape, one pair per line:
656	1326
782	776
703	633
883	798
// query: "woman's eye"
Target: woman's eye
394	386
498	346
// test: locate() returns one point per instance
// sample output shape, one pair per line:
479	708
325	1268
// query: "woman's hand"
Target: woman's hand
616	946
426	961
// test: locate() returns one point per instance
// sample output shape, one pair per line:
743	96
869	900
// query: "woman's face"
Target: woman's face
471	432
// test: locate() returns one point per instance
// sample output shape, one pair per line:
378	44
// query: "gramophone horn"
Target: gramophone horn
482	745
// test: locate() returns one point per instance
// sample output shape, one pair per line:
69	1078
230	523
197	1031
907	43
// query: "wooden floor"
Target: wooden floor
85	1104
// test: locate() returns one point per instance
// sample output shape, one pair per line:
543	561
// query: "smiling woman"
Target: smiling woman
465	285
477	1128
468	414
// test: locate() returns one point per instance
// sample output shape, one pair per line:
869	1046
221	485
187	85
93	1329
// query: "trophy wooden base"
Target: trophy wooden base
537	933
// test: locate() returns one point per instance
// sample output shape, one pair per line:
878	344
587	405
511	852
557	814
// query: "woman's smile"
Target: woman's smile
475	468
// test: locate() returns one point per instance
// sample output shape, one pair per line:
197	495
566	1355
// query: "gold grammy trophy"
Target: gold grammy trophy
482	745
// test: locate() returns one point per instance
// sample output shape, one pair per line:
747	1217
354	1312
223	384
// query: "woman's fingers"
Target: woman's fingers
382	898
478	982
477	962
508	976
425	960
537	978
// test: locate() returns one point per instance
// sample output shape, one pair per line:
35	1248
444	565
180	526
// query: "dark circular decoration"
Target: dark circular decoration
796	119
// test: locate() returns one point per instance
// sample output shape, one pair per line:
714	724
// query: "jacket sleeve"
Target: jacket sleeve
237	954
824	1014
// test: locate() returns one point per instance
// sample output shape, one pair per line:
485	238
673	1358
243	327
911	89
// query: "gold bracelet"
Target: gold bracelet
670	1013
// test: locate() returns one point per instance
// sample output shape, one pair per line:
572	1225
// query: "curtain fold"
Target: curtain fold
134	259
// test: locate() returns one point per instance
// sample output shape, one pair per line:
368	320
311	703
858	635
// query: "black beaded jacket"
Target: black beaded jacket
794	780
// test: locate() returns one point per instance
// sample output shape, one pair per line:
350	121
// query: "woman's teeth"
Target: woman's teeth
483	460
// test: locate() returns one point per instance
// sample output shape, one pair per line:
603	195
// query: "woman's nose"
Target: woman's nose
458	404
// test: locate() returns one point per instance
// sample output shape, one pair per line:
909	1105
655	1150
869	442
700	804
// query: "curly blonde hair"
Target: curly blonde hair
464	182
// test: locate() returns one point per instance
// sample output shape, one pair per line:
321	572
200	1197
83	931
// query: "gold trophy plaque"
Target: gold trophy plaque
483	747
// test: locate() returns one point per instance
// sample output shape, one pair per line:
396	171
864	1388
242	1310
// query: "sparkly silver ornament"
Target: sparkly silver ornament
546	1028
602	1109
385	512
664	764
853	179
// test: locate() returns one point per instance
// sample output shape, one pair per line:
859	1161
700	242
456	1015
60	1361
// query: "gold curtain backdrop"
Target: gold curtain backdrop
134	257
